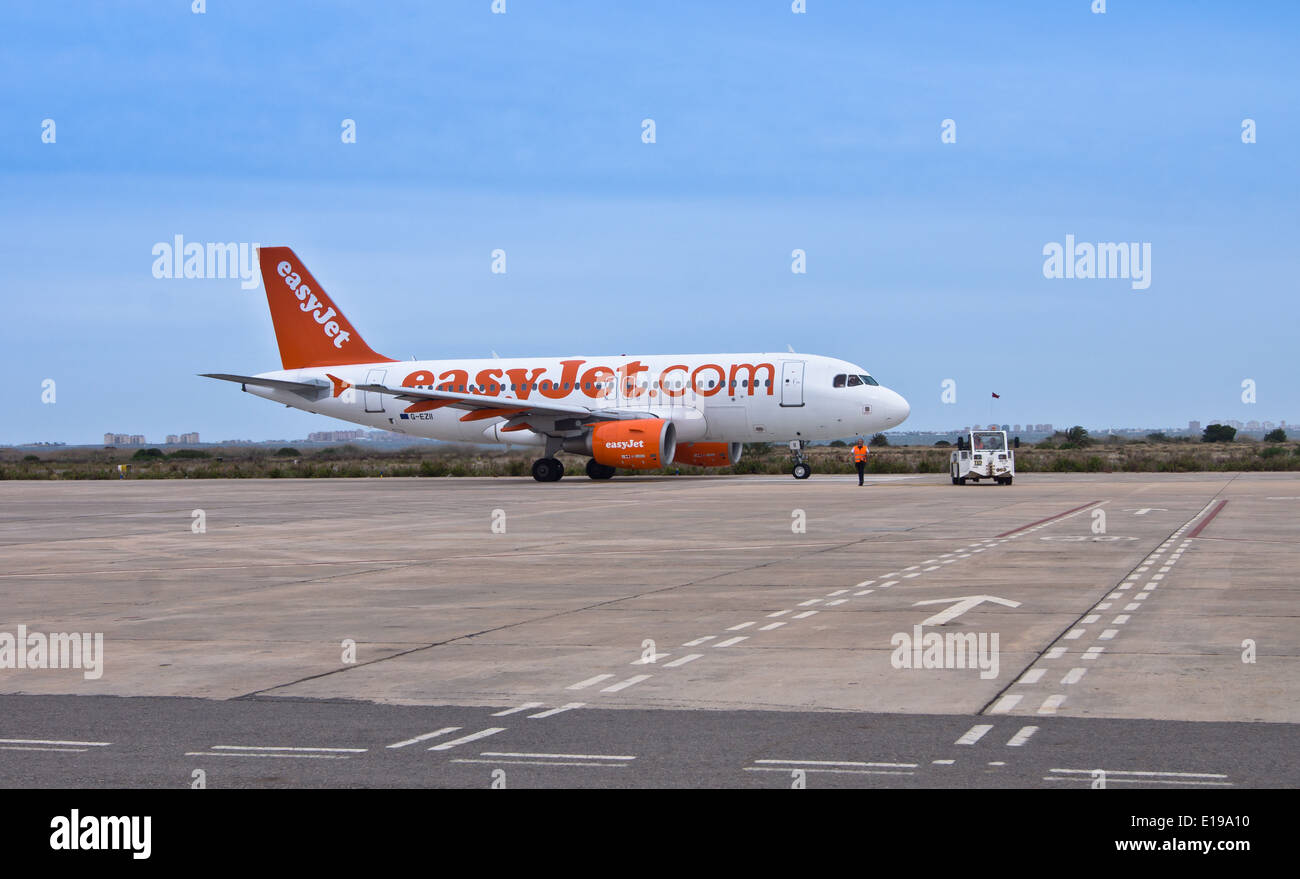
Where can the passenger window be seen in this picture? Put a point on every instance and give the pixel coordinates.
(839, 380)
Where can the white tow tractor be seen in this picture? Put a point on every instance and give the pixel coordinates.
(984, 455)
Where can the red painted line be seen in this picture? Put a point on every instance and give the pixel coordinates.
(1206, 521)
(1048, 519)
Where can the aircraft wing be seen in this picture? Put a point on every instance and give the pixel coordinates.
(483, 407)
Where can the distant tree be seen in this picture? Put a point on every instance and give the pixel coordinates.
(1078, 435)
(1218, 433)
(190, 453)
(31, 458)
(1275, 436)
(147, 454)
(879, 440)
(839, 444)
(944, 443)
(287, 452)
(1158, 437)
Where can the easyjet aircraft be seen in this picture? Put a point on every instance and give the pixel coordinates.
(637, 413)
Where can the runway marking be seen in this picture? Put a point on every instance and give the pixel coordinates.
(997, 763)
(1033, 676)
(1021, 737)
(909, 576)
(739, 638)
(42, 748)
(623, 685)
(932, 568)
(653, 660)
(804, 615)
(943, 762)
(1074, 675)
(770, 626)
(558, 756)
(698, 641)
(892, 574)
(450, 729)
(947, 561)
(856, 763)
(1149, 587)
(836, 593)
(53, 742)
(974, 734)
(1073, 634)
(472, 737)
(288, 748)
(809, 602)
(911, 568)
(865, 592)
(779, 613)
(1051, 703)
(525, 707)
(864, 583)
(582, 685)
(888, 583)
(737, 628)
(829, 770)
(539, 763)
(1132, 606)
(1108, 634)
(265, 754)
(1157, 577)
(1141, 772)
(964, 555)
(837, 601)
(1091, 618)
(1006, 703)
(554, 711)
(691, 657)
(929, 561)
(1110, 780)
(1093, 652)
(1105, 605)
(1041, 522)
(1057, 652)
(1120, 620)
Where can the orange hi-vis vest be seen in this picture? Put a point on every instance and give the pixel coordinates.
(859, 454)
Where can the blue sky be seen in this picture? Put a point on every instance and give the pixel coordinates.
(774, 131)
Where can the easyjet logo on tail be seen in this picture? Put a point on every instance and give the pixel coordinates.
(309, 328)
(312, 304)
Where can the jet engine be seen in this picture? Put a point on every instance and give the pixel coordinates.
(640, 444)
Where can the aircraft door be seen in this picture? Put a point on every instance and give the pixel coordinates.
(375, 402)
(792, 382)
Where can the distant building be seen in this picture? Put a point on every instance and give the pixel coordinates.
(335, 436)
(1193, 427)
(124, 439)
(190, 439)
(171, 439)
(1017, 428)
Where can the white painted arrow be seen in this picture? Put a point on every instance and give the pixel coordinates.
(962, 605)
(1145, 510)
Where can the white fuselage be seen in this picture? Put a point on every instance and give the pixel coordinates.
(710, 397)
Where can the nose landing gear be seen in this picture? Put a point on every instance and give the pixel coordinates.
(801, 469)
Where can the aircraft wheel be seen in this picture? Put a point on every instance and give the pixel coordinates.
(960, 480)
(801, 471)
(547, 470)
(597, 470)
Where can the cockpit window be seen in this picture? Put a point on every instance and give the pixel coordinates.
(854, 381)
(839, 380)
(868, 380)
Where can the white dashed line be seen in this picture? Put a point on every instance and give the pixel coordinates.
(1108, 634)
(1051, 703)
(698, 641)
(1021, 737)
(582, 685)
(472, 737)
(623, 685)
(691, 657)
(974, 734)
(1074, 675)
(1073, 634)
(730, 641)
(554, 711)
(525, 707)
(1057, 652)
(804, 615)
(770, 626)
(443, 731)
(1006, 703)
(741, 626)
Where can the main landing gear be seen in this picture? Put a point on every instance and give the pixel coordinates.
(598, 471)
(801, 470)
(547, 470)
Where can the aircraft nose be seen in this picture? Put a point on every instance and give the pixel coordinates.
(899, 408)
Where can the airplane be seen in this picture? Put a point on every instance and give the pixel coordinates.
(622, 412)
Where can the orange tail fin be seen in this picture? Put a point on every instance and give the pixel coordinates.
(309, 327)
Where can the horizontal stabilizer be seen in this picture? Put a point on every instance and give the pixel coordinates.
(313, 390)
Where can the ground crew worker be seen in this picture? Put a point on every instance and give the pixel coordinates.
(860, 452)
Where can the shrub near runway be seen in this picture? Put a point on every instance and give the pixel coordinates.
(244, 462)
